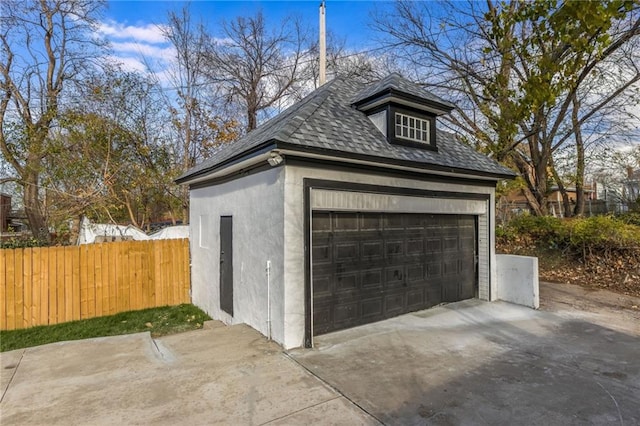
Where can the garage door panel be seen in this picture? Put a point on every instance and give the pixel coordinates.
(415, 273)
(393, 221)
(372, 308)
(346, 313)
(394, 248)
(372, 250)
(371, 222)
(434, 270)
(416, 298)
(372, 279)
(346, 251)
(346, 282)
(394, 277)
(450, 243)
(345, 222)
(322, 286)
(434, 245)
(367, 267)
(321, 222)
(394, 304)
(322, 254)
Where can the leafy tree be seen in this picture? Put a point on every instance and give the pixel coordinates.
(521, 73)
(110, 158)
(45, 47)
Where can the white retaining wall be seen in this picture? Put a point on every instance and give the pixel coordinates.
(517, 280)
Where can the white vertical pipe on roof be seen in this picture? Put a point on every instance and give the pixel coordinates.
(323, 46)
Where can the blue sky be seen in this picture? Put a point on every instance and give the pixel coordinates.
(349, 19)
(132, 26)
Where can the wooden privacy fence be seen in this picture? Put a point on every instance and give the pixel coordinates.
(50, 285)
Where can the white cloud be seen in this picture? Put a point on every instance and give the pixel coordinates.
(148, 50)
(139, 48)
(128, 63)
(149, 33)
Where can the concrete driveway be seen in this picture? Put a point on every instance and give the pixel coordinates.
(476, 363)
(223, 375)
(469, 363)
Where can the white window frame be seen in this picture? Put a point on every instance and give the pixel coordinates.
(412, 128)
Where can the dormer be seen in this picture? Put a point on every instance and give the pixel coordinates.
(403, 111)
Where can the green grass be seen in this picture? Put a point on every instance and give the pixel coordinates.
(159, 321)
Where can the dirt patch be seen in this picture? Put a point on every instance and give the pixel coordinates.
(603, 307)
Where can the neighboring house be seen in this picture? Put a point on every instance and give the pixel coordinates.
(12, 222)
(517, 203)
(5, 212)
(347, 208)
(631, 186)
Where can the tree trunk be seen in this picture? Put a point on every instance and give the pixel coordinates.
(535, 191)
(185, 204)
(580, 162)
(252, 119)
(566, 203)
(33, 208)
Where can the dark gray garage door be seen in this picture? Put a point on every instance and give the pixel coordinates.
(372, 266)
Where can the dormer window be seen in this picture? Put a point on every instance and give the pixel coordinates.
(403, 111)
(412, 128)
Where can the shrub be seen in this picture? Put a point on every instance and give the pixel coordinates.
(631, 218)
(24, 242)
(598, 235)
(541, 230)
(602, 235)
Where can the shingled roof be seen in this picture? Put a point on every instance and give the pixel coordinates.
(326, 122)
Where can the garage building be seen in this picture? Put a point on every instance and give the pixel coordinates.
(347, 208)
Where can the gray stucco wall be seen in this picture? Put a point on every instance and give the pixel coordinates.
(294, 232)
(268, 225)
(256, 204)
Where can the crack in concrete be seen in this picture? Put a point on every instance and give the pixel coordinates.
(300, 410)
(614, 401)
(330, 386)
(15, 370)
(165, 354)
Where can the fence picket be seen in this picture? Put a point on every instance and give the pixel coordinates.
(3, 290)
(53, 287)
(41, 262)
(19, 288)
(91, 282)
(30, 287)
(36, 282)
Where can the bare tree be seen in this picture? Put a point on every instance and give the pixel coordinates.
(350, 64)
(197, 122)
(45, 46)
(255, 66)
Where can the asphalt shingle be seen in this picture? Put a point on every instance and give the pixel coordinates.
(326, 120)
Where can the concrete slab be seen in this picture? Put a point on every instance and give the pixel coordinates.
(472, 362)
(223, 375)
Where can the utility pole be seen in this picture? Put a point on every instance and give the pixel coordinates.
(323, 46)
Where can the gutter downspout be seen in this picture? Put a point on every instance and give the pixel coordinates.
(269, 299)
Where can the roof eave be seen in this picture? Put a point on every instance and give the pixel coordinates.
(348, 157)
(390, 94)
(258, 150)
